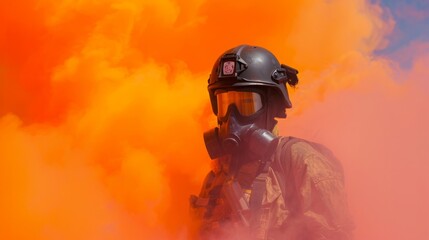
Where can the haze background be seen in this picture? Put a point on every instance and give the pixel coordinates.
(103, 105)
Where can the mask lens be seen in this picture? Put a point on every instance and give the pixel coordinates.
(247, 103)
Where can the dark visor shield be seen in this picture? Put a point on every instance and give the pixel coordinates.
(247, 103)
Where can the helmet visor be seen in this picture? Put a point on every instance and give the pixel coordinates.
(247, 103)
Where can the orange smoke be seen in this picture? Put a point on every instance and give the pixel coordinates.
(103, 105)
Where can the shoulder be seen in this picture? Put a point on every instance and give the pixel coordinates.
(314, 158)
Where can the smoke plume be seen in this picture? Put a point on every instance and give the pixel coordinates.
(103, 105)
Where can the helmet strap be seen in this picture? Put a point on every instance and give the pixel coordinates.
(270, 112)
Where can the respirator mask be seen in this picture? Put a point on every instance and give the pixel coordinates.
(238, 113)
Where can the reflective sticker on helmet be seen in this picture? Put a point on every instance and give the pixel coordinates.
(228, 67)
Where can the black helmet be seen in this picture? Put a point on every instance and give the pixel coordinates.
(251, 66)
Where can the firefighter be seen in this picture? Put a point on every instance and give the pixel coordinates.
(264, 186)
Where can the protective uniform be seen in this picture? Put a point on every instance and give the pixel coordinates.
(263, 186)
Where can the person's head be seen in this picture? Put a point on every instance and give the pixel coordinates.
(249, 81)
(247, 86)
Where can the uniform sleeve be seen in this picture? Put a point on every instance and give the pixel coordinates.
(314, 195)
(207, 212)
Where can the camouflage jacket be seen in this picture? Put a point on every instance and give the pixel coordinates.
(304, 197)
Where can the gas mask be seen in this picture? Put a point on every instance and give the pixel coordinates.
(238, 113)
